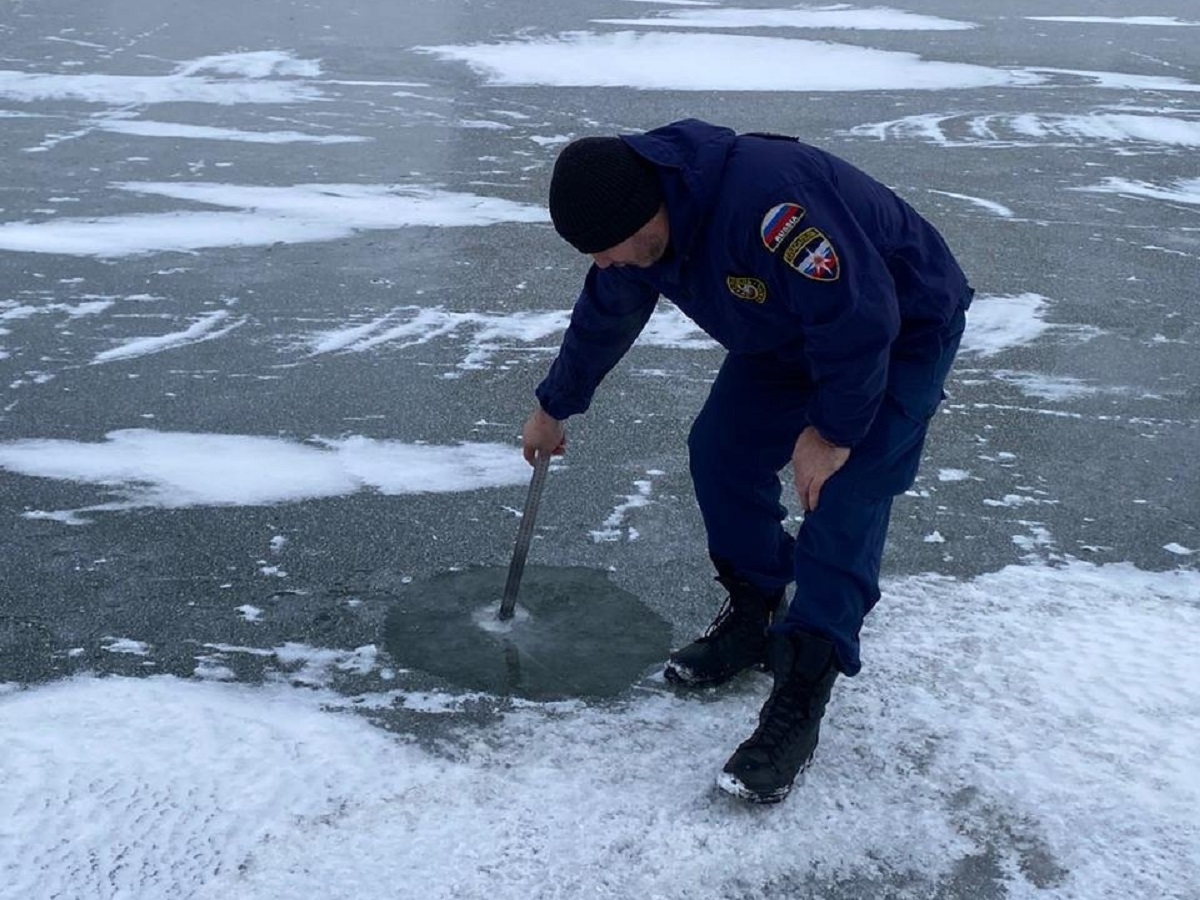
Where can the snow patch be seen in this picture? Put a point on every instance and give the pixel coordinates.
(997, 323)
(714, 62)
(266, 215)
(806, 17)
(206, 328)
(173, 470)
(1186, 190)
(258, 793)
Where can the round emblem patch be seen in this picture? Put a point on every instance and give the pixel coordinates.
(753, 290)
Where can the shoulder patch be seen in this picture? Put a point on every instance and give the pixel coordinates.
(745, 288)
(778, 223)
(812, 255)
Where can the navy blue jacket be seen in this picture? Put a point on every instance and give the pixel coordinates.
(776, 248)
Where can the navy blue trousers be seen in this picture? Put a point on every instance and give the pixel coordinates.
(744, 436)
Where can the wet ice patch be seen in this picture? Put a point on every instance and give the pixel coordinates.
(837, 17)
(704, 62)
(1038, 129)
(266, 215)
(174, 470)
(1001, 790)
(1185, 190)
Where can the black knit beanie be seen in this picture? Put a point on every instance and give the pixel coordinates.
(601, 193)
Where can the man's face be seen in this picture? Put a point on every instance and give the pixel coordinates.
(643, 248)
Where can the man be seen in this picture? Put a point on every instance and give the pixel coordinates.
(841, 310)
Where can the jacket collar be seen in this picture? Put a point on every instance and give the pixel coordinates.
(690, 156)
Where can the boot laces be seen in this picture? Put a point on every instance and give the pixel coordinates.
(732, 617)
(787, 708)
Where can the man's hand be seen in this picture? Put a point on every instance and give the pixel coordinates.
(543, 434)
(814, 460)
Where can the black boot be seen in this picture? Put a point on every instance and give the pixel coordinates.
(765, 765)
(734, 642)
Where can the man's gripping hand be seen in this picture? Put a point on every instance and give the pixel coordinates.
(543, 434)
(814, 461)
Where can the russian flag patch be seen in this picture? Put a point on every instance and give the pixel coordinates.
(779, 222)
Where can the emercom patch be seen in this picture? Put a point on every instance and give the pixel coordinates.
(778, 223)
(811, 254)
(746, 288)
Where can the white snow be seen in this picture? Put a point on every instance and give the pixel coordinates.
(127, 646)
(266, 215)
(715, 62)
(1033, 129)
(1178, 549)
(953, 474)
(611, 529)
(997, 323)
(10, 311)
(208, 327)
(1167, 21)
(985, 720)
(706, 61)
(841, 16)
(491, 333)
(991, 206)
(1047, 387)
(145, 128)
(240, 78)
(1186, 190)
(173, 470)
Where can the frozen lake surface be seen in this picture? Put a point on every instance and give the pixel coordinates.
(276, 285)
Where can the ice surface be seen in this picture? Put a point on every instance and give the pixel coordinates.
(1030, 733)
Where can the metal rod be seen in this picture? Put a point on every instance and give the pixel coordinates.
(524, 535)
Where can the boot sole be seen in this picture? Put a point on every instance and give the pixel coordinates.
(682, 676)
(733, 785)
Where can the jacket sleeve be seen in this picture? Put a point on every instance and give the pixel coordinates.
(611, 312)
(849, 317)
